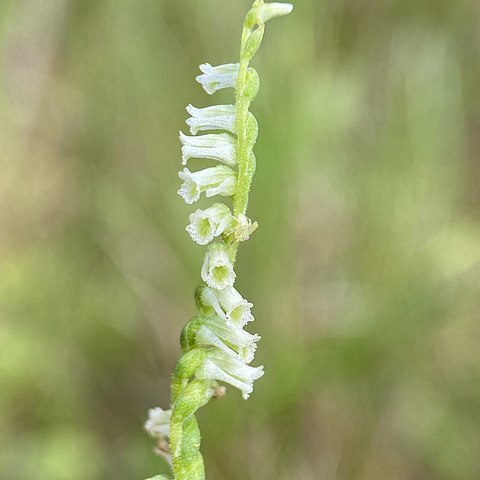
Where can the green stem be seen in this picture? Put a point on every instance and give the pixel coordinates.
(247, 128)
(244, 179)
(187, 461)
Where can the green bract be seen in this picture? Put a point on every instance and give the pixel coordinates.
(215, 346)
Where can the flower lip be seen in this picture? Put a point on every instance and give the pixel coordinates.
(217, 270)
(207, 224)
(189, 190)
(201, 229)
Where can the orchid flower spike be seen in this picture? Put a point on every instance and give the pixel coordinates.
(215, 346)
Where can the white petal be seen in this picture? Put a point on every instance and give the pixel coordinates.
(241, 342)
(217, 117)
(228, 304)
(211, 371)
(226, 369)
(216, 78)
(221, 147)
(158, 423)
(225, 188)
(219, 180)
(207, 300)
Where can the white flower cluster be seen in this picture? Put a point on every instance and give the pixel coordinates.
(224, 312)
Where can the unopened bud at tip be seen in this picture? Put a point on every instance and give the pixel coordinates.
(271, 10)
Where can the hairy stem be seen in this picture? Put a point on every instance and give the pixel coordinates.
(247, 128)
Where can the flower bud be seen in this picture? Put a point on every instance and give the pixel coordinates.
(267, 11)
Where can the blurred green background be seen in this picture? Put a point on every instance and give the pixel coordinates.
(365, 272)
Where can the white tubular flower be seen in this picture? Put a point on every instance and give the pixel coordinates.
(227, 304)
(216, 78)
(219, 180)
(232, 341)
(217, 117)
(215, 146)
(158, 423)
(271, 10)
(226, 369)
(217, 270)
(207, 224)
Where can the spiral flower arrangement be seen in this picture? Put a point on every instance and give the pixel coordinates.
(214, 344)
